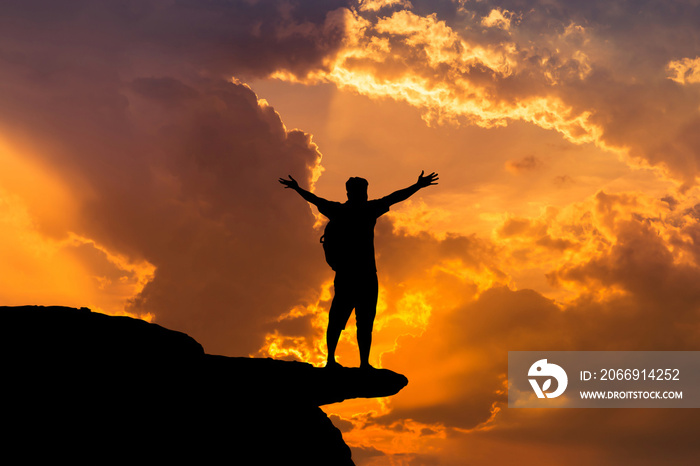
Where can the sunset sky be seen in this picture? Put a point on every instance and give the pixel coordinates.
(141, 142)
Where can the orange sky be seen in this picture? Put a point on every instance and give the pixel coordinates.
(141, 144)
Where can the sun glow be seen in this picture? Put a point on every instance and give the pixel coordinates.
(41, 264)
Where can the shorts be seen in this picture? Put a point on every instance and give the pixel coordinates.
(358, 291)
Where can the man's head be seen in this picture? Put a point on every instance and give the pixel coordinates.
(356, 188)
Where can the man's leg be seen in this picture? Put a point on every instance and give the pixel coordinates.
(338, 316)
(365, 313)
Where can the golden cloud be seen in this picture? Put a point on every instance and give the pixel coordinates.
(497, 18)
(684, 71)
(424, 62)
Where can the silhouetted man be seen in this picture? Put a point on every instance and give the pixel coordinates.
(351, 229)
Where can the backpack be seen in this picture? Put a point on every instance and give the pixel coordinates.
(332, 240)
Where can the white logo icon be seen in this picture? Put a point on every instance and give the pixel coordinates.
(542, 368)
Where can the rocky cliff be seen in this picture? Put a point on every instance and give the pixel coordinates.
(91, 388)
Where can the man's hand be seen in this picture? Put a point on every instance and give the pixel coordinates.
(427, 180)
(307, 196)
(290, 183)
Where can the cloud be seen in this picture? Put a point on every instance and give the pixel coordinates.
(498, 19)
(685, 70)
(187, 182)
(630, 263)
(563, 181)
(242, 38)
(164, 160)
(73, 271)
(527, 163)
(561, 66)
(244, 246)
(376, 5)
(425, 62)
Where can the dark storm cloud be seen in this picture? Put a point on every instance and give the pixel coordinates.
(168, 162)
(230, 37)
(187, 181)
(232, 249)
(525, 164)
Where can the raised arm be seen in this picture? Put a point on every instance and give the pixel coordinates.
(403, 194)
(308, 196)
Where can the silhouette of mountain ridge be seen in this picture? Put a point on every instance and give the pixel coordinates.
(92, 388)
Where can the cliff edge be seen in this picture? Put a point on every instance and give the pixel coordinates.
(88, 387)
